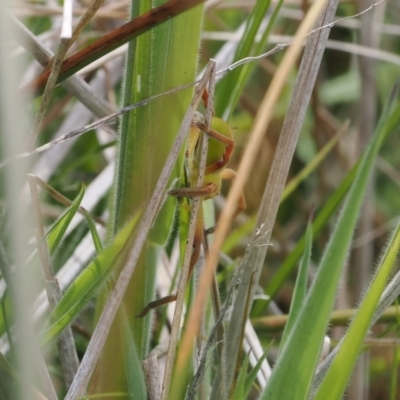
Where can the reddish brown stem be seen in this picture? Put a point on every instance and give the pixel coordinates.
(111, 41)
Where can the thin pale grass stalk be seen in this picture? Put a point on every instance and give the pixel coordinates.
(276, 323)
(114, 39)
(253, 345)
(81, 256)
(45, 377)
(49, 162)
(199, 375)
(109, 11)
(256, 253)
(144, 102)
(195, 209)
(86, 18)
(38, 358)
(14, 128)
(384, 342)
(85, 250)
(66, 345)
(96, 344)
(66, 33)
(260, 125)
(282, 41)
(363, 255)
(67, 39)
(74, 85)
(152, 372)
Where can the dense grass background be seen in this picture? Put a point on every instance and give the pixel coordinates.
(85, 211)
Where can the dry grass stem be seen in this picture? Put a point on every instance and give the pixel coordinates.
(260, 124)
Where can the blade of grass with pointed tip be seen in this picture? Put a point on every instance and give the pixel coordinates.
(300, 290)
(323, 217)
(57, 231)
(87, 283)
(320, 222)
(299, 356)
(133, 365)
(232, 85)
(98, 244)
(251, 377)
(339, 373)
(240, 384)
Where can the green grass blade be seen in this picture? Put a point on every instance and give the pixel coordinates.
(231, 86)
(320, 222)
(133, 366)
(240, 384)
(395, 364)
(157, 61)
(88, 282)
(57, 231)
(300, 290)
(300, 354)
(251, 377)
(338, 375)
(98, 244)
(322, 218)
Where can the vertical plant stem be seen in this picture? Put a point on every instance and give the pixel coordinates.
(65, 344)
(114, 300)
(14, 128)
(197, 203)
(362, 257)
(66, 32)
(262, 120)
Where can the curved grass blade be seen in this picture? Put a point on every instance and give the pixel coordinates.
(300, 290)
(299, 356)
(338, 375)
(251, 377)
(240, 385)
(321, 220)
(136, 383)
(56, 233)
(98, 244)
(232, 85)
(87, 283)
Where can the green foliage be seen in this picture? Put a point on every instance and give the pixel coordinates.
(300, 354)
(326, 175)
(300, 290)
(339, 373)
(85, 286)
(56, 233)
